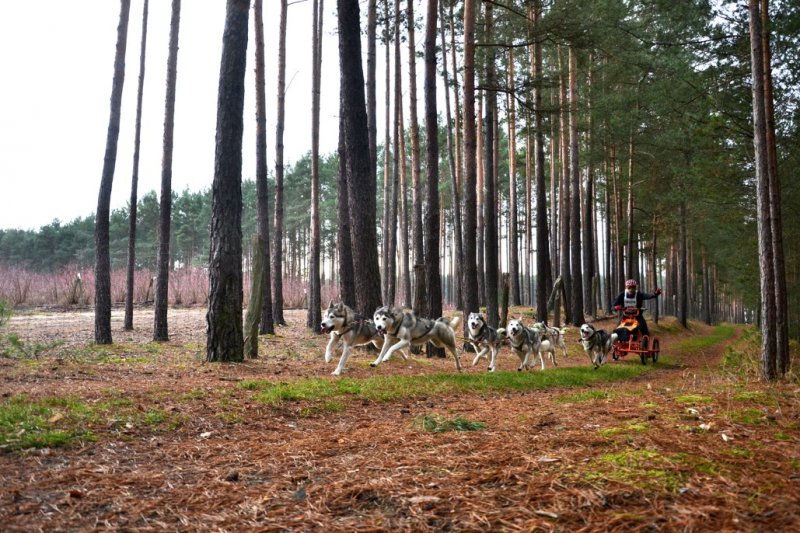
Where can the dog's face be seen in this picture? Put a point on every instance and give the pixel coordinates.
(384, 318)
(515, 328)
(587, 330)
(334, 318)
(475, 323)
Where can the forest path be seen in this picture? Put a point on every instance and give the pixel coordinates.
(184, 446)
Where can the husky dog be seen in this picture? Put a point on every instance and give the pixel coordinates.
(526, 342)
(342, 323)
(596, 343)
(554, 335)
(482, 335)
(403, 329)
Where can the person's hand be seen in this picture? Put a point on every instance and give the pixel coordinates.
(658, 291)
(617, 307)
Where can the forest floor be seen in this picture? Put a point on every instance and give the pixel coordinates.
(155, 438)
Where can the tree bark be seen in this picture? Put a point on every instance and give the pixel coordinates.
(433, 280)
(224, 318)
(575, 198)
(489, 212)
(344, 244)
(513, 237)
(102, 302)
(277, 254)
(544, 274)
(314, 316)
(416, 219)
(470, 169)
(763, 205)
(262, 280)
(160, 326)
(132, 205)
(252, 317)
(781, 318)
(565, 270)
(452, 150)
(361, 188)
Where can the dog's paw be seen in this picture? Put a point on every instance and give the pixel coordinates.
(336, 372)
(373, 365)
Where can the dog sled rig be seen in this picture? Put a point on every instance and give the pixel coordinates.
(630, 338)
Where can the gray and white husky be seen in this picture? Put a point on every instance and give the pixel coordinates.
(526, 342)
(402, 329)
(596, 343)
(553, 334)
(484, 338)
(345, 326)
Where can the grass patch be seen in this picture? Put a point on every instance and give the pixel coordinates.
(331, 406)
(439, 424)
(751, 417)
(50, 423)
(741, 452)
(389, 388)
(12, 346)
(701, 343)
(633, 427)
(651, 470)
(584, 396)
(693, 399)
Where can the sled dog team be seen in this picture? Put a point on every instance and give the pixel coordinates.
(391, 329)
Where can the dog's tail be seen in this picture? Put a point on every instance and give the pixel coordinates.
(452, 322)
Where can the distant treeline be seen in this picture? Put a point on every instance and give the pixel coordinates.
(59, 244)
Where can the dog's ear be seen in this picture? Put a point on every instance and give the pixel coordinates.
(330, 304)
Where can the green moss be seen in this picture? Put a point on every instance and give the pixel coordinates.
(439, 424)
(693, 399)
(748, 416)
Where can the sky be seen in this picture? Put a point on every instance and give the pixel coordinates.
(57, 65)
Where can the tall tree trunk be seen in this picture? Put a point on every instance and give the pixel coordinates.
(470, 169)
(565, 218)
(225, 337)
(343, 242)
(683, 271)
(403, 250)
(654, 267)
(388, 179)
(160, 326)
(575, 199)
(513, 236)
(416, 220)
(781, 322)
(631, 267)
(589, 247)
(372, 103)
(543, 265)
(361, 188)
(489, 212)
(277, 255)
(433, 279)
(452, 150)
(102, 298)
(763, 205)
(264, 318)
(314, 317)
(128, 325)
(480, 199)
(706, 287)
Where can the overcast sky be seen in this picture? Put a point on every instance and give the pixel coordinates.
(57, 63)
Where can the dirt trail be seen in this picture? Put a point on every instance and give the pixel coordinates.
(682, 447)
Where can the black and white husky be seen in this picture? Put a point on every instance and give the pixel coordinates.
(402, 329)
(344, 325)
(484, 338)
(596, 343)
(526, 342)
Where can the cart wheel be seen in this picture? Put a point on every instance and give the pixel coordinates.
(656, 349)
(645, 342)
(643, 357)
